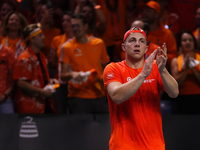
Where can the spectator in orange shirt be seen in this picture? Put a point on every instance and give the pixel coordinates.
(12, 32)
(186, 70)
(31, 75)
(197, 31)
(58, 41)
(81, 56)
(133, 90)
(145, 27)
(158, 34)
(44, 16)
(60, 98)
(7, 62)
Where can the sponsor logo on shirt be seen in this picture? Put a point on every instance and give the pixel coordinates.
(77, 52)
(110, 75)
(129, 79)
(148, 80)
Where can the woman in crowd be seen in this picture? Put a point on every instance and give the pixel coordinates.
(12, 32)
(186, 70)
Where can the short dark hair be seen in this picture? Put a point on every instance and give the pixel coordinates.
(28, 29)
(69, 13)
(80, 16)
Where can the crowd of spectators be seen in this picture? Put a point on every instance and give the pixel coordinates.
(93, 30)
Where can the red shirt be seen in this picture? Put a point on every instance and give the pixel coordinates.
(28, 68)
(7, 62)
(136, 124)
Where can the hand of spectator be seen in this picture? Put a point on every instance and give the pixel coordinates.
(161, 58)
(46, 93)
(148, 64)
(77, 77)
(53, 81)
(48, 14)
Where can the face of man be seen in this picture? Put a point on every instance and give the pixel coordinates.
(38, 41)
(66, 23)
(135, 46)
(197, 17)
(149, 15)
(5, 9)
(78, 28)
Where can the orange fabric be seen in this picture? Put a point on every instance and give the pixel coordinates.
(136, 124)
(55, 49)
(190, 85)
(196, 33)
(58, 41)
(114, 31)
(7, 62)
(49, 35)
(152, 4)
(163, 35)
(27, 68)
(16, 45)
(84, 57)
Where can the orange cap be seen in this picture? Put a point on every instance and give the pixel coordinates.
(152, 4)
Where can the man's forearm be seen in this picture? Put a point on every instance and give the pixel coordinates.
(170, 84)
(28, 87)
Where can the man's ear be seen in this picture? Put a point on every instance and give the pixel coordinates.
(123, 47)
(146, 49)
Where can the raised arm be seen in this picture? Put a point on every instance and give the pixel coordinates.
(170, 84)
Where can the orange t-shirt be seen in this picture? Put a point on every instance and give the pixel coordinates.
(84, 57)
(54, 54)
(7, 63)
(163, 35)
(17, 45)
(28, 68)
(49, 35)
(190, 85)
(136, 124)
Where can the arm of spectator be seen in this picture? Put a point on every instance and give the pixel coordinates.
(28, 87)
(66, 75)
(101, 25)
(180, 77)
(10, 86)
(196, 74)
(48, 13)
(78, 6)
